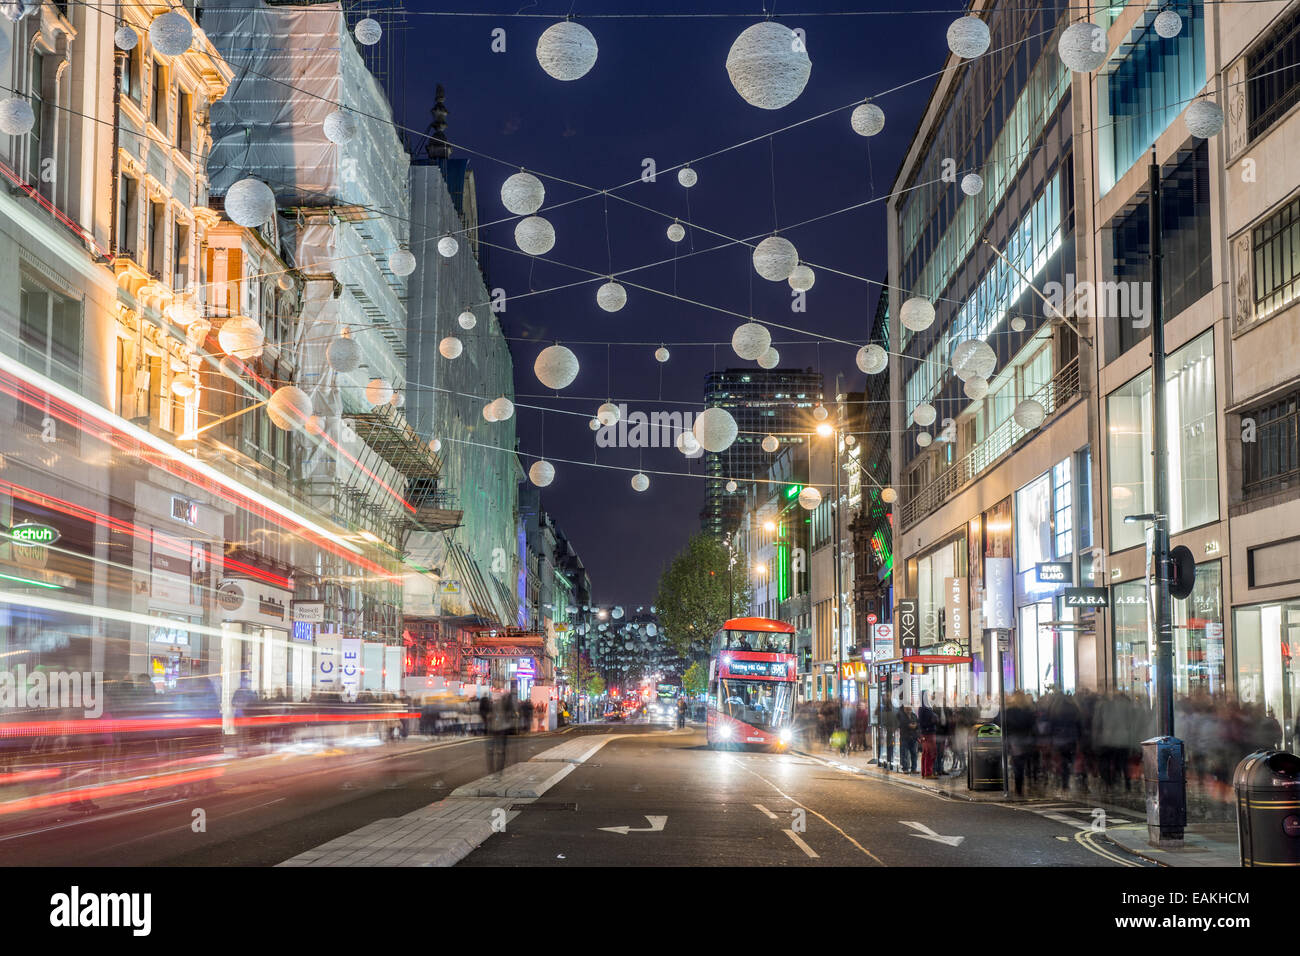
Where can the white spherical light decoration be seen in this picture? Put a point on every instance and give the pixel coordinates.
(241, 338)
(676, 232)
(285, 282)
(368, 32)
(768, 65)
(607, 414)
(775, 258)
(556, 367)
(378, 392)
(715, 429)
(1082, 47)
(1017, 324)
(924, 439)
(730, 486)
(611, 296)
(616, 613)
(489, 412)
(450, 347)
(339, 127)
(769, 359)
(770, 444)
(1029, 414)
(448, 246)
(968, 37)
(183, 385)
(343, 355)
(289, 408)
(402, 262)
(435, 445)
(687, 177)
(820, 413)
(124, 38)
(872, 359)
(924, 414)
(250, 203)
(661, 354)
(566, 50)
(523, 194)
(802, 278)
(503, 409)
(467, 320)
(972, 184)
(973, 358)
(16, 116)
(810, 498)
(688, 444)
(171, 34)
(867, 119)
(651, 630)
(976, 388)
(640, 483)
(1204, 118)
(917, 314)
(541, 473)
(751, 340)
(534, 235)
(888, 495)
(1168, 24)
(594, 425)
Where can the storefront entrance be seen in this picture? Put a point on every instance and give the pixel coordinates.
(1267, 644)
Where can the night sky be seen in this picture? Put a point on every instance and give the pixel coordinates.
(660, 89)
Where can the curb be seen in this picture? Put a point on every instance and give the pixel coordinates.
(901, 780)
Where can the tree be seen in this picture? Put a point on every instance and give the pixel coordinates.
(694, 598)
(596, 686)
(695, 680)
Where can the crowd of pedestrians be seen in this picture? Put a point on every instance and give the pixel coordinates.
(1057, 743)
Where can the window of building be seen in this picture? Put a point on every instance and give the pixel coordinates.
(1186, 247)
(1193, 461)
(1146, 89)
(158, 102)
(184, 121)
(1272, 460)
(153, 409)
(180, 256)
(123, 379)
(49, 335)
(36, 97)
(133, 75)
(128, 221)
(1266, 641)
(1083, 478)
(1275, 248)
(1273, 75)
(157, 238)
(1063, 509)
(1034, 542)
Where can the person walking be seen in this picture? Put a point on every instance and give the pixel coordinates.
(1020, 737)
(505, 716)
(907, 731)
(888, 727)
(927, 724)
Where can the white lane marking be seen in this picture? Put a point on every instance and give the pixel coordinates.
(657, 825)
(90, 819)
(928, 834)
(801, 845)
(814, 813)
(770, 814)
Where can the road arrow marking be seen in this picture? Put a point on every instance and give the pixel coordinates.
(928, 834)
(656, 825)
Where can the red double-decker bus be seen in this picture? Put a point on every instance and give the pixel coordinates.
(751, 684)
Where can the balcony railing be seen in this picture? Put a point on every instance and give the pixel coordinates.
(1053, 396)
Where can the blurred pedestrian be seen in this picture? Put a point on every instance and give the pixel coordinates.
(926, 725)
(1020, 736)
(907, 731)
(888, 727)
(526, 716)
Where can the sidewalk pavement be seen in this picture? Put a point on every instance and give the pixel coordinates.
(1205, 844)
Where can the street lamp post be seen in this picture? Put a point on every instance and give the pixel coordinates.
(1162, 758)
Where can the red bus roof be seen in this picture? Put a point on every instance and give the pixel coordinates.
(758, 624)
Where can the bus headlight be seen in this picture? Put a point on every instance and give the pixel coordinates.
(725, 731)
(786, 735)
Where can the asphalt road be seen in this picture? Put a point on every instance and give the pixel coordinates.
(688, 805)
(261, 811)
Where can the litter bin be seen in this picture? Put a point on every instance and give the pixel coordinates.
(1267, 784)
(1166, 790)
(984, 758)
